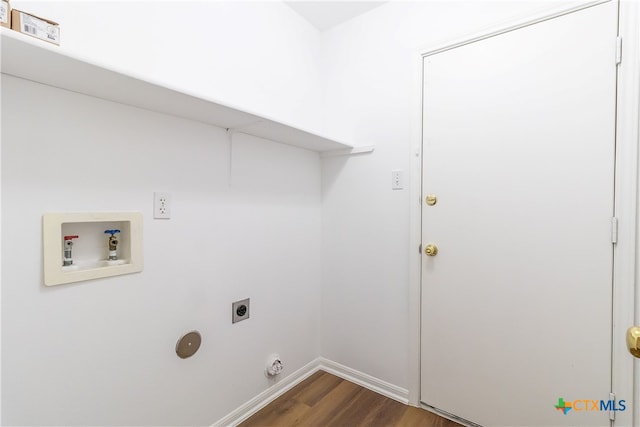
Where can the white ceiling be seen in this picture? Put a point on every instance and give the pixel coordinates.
(326, 14)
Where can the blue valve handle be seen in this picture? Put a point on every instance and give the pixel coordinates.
(112, 232)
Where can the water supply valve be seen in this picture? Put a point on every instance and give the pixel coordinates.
(68, 244)
(113, 244)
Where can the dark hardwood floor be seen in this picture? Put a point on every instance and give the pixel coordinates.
(325, 400)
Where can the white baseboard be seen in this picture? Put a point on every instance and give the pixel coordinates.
(365, 380)
(272, 393)
(269, 395)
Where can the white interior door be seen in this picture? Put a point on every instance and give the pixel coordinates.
(518, 148)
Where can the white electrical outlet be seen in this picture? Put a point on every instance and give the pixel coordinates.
(161, 205)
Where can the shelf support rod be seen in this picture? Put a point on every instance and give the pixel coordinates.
(348, 152)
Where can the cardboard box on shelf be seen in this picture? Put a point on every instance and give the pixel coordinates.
(43, 29)
(5, 14)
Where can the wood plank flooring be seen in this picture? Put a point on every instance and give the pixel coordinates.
(325, 400)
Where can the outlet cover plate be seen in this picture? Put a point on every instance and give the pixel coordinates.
(240, 310)
(161, 205)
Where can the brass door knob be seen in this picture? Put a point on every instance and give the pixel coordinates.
(633, 340)
(431, 250)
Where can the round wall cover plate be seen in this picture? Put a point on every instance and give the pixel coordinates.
(188, 344)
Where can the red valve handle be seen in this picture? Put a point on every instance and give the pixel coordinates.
(70, 237)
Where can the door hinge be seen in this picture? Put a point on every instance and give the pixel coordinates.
(614, 230)
(618, 50)
(612, 402)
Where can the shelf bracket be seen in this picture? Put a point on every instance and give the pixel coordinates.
(230, 133)
(239, 128)
(348, 152)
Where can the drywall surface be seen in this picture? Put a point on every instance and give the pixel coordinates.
(102, 352)
(257, 56)
(372, 92)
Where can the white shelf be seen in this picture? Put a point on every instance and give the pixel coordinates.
(32, 59)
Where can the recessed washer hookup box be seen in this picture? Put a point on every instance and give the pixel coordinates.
(43, 29)
(5, 14)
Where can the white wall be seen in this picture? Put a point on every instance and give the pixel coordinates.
(372, 94)
(244, 222)
(104, 351)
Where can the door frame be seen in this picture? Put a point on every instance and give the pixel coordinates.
(626, 274)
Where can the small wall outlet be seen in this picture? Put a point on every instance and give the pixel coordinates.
(240, 310)
(161, 205)
(274, 366)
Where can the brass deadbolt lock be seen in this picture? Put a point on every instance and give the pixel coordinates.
(431, 250)
(431, 199)
(633, 341)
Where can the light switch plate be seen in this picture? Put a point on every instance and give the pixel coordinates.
(397, 179)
